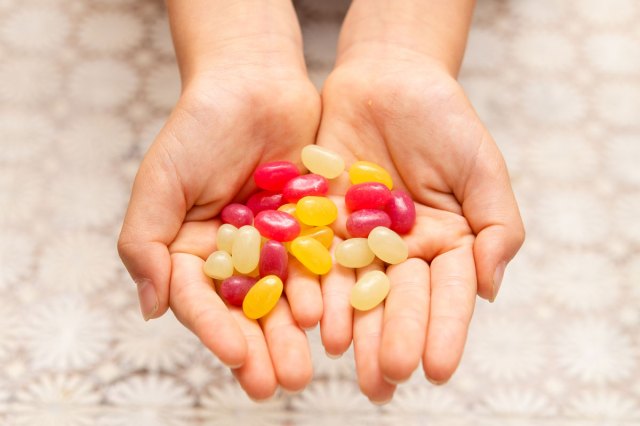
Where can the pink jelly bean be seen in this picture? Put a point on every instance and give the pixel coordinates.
(275, 175)
(401, 211)
(237, 215)
(360, 223)
(305, 185)
(235, 288)
(277, 225)
(368, 195)
(264, 200)
(273, 260)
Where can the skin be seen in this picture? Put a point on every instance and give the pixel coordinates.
(392, 99)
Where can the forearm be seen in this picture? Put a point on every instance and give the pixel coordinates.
(435, 28)
(234, 33)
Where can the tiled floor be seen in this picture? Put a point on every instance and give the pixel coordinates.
(557, 83)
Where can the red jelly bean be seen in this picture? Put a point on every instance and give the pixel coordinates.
(368, 195)
(401, 211)
(274, 260)
(237, 215)
(264, 200)
(275, 175)
(277, 225)
(305, 185)
(360, 223)
(234, 289)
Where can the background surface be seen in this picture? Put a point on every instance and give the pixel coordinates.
(85, 86)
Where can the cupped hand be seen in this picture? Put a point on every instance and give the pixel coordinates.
(411, 116)
(224, 125)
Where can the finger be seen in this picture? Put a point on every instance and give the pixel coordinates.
(156, 211)
(336, 326)
(196, 238)
(367, 329)
(198, 307)
(492, 211)
(304, 295)
(256, 376)
(405, 320)
(453, 293)
(288, 348)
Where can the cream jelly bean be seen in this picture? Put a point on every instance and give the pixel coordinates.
(354, 253)
(245, 250)
(388, 246)
(218, 265)
(370, 290)
(322, 161)
(225, 236)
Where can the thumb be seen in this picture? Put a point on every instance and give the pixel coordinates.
(156, 211)
(492, 211)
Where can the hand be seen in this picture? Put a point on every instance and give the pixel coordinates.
(246, 100)
(408, 114)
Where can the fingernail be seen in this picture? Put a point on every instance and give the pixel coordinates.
(394, 382)
(148, 298)
(497, 279)
(310, 328)
(292, 393)
(436, 382)
(384, 402)
(332, 356)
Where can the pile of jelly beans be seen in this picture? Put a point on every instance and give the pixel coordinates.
(291, 214)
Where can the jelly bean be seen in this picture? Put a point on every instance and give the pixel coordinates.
(322, 161)
(401, 211)
(276, 225)
(262, 297)
(364, 171)
(370, 290)
(368, 195)
(218, 265)
(274, 260)
(312, 254)
(305, 185)
(360, 223)
(354, 253)
(316, 211)
(234, 289)
(245, 250)
(275, 175)
(264, 200)
(224, 237)
(388, 246)
(324, 234)
(291, 209)
(237, 215)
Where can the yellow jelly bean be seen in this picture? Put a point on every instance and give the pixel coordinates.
(245, 250)
(324, 234)
(224, 238)
(387, 245)
(291, 209)
(218, 265)
(312, 254)
(322, 161)
(364, 171)
(354, 253)
(262, 297)
(316, 211)
(370, 290)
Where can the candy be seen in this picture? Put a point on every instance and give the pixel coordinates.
(237, 215)
(225, 236)
(262, 297)
(273, 260)
(218, 265)
(388, 246)
(324, 234)
(277, 225)
(316, 211)
(274, 176)
(368, 195)
(305, 185)
(245, 250)
(264, 200)
(312, 254)
(364, 171)
(401, 211)
(234, 289)
(360, 223)
(354, 253)
(370, 290)
(322, 161)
